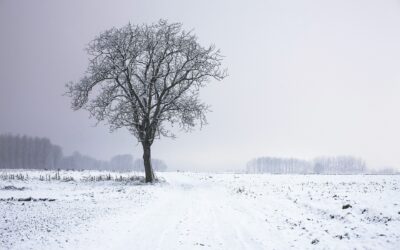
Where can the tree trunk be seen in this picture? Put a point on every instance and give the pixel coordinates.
(148, 169)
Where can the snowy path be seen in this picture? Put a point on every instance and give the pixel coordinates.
(198, 211)
(187, 214)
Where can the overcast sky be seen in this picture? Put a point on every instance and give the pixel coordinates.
(306, 78)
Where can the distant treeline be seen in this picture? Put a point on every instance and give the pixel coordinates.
(77, 161)
(24, 152)
(320, 165)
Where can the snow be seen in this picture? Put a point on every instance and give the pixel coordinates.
(202, 211)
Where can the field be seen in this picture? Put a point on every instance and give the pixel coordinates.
(99, 210)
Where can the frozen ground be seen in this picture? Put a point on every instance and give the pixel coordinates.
(201, 211)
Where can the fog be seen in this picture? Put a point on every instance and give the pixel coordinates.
(306, 78)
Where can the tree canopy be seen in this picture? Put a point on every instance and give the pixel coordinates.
(146, 78)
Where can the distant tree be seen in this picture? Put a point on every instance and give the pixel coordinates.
(26, 152)
(54, 157)
(157, 164)
(339, 165)
(78, 161)
(3, 151)
(385, 170)
(320, 165)
(278, 165)
(144, 77)
(69, 162)
(121, 162)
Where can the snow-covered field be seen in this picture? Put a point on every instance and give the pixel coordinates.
(199, 211)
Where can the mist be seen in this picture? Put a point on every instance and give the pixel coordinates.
(306, 78)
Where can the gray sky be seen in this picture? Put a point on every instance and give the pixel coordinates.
(306, 78)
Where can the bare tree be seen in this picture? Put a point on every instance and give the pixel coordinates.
(146, 78)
